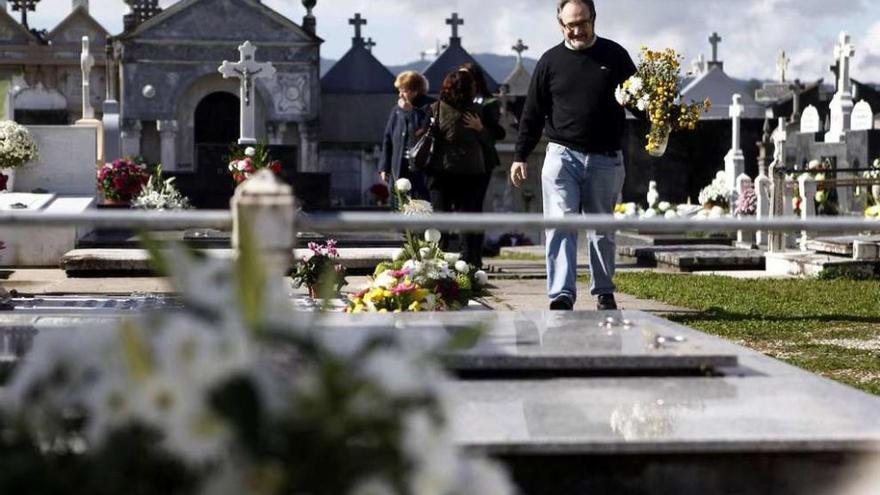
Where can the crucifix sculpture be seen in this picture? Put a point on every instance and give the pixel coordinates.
(24, 6)
(782, 63)
(715, 40)
(455, 21)
(843, 52)
(247, 69)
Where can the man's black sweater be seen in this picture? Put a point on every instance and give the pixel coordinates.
(572, 96)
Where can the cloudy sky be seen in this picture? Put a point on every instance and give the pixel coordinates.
(753, 31)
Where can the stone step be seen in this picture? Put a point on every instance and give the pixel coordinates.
(677, 239)
(841, 245)
(136, 262)
(699, 257)
(812, 264)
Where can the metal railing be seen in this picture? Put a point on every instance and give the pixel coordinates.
(358, 221)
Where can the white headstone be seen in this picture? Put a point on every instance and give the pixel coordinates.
(247, 70)
(87, 61)
(862, 116)
(810, 120)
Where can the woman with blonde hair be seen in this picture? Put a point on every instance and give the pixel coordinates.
(406, 118)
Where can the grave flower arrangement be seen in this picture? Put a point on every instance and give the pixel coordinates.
(122, 180)
(380, 194)
(160, 194)
(231, 393)
(420, 277)
(245, 162)
(716, 194)
(432, 280)
(655, 89)
(17, 146)
(746, 203)
(319, 271)
(825, 198)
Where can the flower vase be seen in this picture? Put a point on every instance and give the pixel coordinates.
(10, 178)
(661, 139)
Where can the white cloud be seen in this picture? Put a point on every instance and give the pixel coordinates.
(753, 30)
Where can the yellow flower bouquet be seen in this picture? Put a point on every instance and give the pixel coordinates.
(654, 89)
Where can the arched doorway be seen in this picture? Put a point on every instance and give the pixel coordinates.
(217, 119)
(215, 129)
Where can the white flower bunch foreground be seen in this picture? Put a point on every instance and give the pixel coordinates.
(716, 193)
(234, 394)
(160, 195)
(17, 146)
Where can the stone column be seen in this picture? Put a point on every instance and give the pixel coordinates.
(308, 142)
(263, 209)
(112, 136)
(275, 131)
(776, 239)
(131, 137)
(168, 134)
(808, 204)
(762, 191)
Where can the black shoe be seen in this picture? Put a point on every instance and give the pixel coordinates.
(562, 303)
(606, 302)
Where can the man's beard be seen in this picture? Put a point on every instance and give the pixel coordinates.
(580, 44)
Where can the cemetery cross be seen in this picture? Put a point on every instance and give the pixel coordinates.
(519, 48)
(247, 69)
(24, 6)
(455, 21)
(87, 61)
(715, 40)
(357, 22)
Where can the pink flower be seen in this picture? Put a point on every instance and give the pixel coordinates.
(331, 247)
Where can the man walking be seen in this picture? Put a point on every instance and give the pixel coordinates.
(571, 98)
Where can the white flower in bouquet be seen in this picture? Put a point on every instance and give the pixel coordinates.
(462, 267)
(481, 277)
(17, 146)
(397, 254)
(250, 151)
(451, 257)
(631, 209)
(819, 177)
(635, 85)
(432, 235)
(621, 96)
(814, 164)
(424, 252)
(158, 195)
(649, 213)
(664, 206)
(417, 207)
(716, 192)
(670, 214)
(385, 280)
(716, 212)
(821, 196)
(403, 185)
(643, 103)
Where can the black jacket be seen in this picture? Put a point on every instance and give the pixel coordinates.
(458, 149)
(400, 135)
(491, 117)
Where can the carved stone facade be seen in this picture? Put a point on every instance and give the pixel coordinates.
(168, 66)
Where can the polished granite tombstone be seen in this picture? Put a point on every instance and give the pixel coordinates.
(572, 402)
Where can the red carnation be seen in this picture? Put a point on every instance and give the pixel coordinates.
(275, 166)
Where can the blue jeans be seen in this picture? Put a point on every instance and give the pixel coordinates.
(575, 183)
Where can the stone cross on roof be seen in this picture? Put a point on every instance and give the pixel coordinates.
(782, 63)
(24, 6)
(715, 40)
(455, 21)
(843, 52)
(357, 22)
(369, 44)
(519, 48)
(247, 69)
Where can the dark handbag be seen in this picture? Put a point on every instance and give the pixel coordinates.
(421, 154)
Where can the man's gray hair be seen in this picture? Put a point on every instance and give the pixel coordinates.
(590, 4)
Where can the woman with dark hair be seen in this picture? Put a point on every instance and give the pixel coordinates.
(490, 114)
(457, 166)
